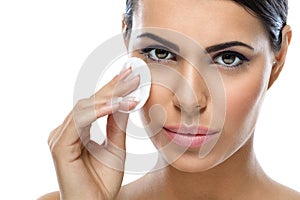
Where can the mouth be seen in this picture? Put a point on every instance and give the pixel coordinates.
(190, 137)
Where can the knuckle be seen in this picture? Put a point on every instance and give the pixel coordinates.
(55, 149)
(51, 140)
(55, 152)
(81, 104)
(51, 136)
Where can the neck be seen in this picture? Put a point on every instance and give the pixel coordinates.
(237, 175)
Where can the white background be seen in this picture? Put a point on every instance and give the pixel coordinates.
(42, 47)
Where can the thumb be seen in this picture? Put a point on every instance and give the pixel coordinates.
(116, 130)
(117, 123)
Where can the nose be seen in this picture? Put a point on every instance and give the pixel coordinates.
(191, 93)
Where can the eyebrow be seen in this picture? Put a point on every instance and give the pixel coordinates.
(208, 50)
(160, 40)
(226, 45)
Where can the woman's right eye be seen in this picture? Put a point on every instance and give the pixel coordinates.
(158, 54)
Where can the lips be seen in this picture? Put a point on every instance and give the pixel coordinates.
(190, 136)
(190, 130)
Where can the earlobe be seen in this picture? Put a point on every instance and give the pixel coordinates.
(279, 58)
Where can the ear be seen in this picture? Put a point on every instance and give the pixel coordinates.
(280, 55)
(124, 30)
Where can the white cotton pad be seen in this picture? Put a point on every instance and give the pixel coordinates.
(143, 90)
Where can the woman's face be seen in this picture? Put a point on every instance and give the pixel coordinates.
(191, 119)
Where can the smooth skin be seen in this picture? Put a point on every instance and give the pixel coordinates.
(231, 170)
(80, 175)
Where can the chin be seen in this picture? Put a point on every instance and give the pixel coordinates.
(191, 167)
(190, 162)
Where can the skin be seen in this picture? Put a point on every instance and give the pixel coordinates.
(230, 170)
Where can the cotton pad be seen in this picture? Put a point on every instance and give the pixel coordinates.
(139, 67)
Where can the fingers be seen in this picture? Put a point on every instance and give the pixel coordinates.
(119, 86)
(126, 86)
(53, 137)
(116, 129)
(113, 158)
(89, 113)
(71, 145)
(102, 103)
(113, 152)
(67, 138)
(85, 113)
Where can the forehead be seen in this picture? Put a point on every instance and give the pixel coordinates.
(207, 21)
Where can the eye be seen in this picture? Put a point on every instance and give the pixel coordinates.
(158, 54)
(230, 59)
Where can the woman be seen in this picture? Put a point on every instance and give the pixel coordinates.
(247, 42)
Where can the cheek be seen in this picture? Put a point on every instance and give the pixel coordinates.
(155, 106)
(154, 114)
(242, 100)
(244, 97)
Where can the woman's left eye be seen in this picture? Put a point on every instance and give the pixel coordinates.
(229, 59)
(158, 54)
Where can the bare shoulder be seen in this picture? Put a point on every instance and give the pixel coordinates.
(280, 191)
(50, 196)
(139, 189)
(290, 194)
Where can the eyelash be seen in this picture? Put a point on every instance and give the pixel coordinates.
(149, 50)
(242, 59)
(173, 57)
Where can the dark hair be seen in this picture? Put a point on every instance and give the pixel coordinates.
(130, 7)
(272, 14)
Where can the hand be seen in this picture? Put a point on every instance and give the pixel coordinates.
(85, 169)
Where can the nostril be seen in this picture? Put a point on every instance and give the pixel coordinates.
(190, 105)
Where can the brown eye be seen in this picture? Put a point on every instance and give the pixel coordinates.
(161, 54)
(230, 59)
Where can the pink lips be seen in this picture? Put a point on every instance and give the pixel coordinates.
(189, 136)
